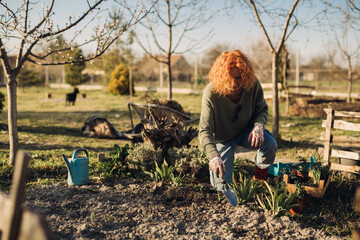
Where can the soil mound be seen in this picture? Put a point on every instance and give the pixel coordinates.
(314, 107)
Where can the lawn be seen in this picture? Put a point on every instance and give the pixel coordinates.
(48, 129)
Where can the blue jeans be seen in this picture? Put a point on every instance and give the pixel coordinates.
(264, 158)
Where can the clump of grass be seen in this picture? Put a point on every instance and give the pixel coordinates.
(163, 173)
(245, 188)
(6, 172)
(276, 202)
(166, 173)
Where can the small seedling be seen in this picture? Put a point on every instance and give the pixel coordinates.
(92, 218)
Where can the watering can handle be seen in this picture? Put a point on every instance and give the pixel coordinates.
(80, 150)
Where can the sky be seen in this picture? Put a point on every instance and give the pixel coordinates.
(235, 27)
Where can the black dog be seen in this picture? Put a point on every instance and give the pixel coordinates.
(71, 97)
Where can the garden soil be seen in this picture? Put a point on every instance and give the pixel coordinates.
(130, 209)
(314, 107)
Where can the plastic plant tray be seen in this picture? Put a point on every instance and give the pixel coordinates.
(278, 169)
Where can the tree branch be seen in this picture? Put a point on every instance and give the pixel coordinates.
(44, 18)
(149, 27)
(252, 3)
(50, 33)
(22, 42)
(4, 58)
(8, 9)
(353, 6)
(286, 25)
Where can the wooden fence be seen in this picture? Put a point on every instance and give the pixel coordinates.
(17, 222)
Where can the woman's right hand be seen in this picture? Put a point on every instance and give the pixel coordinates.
(217, 166)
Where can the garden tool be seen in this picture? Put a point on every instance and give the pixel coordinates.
(78, 168)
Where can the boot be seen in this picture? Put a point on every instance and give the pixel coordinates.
(261, 174)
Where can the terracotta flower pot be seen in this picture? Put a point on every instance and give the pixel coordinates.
(297, 209)
(302, 203)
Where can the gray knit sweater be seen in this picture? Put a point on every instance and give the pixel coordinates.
(221, 119)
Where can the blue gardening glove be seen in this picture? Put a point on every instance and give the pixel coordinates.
(217, 166)
(256, 137)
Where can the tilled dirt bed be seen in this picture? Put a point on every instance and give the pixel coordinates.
(130, 209)
(314, 107)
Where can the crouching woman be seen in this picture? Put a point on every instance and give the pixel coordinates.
(234, 112)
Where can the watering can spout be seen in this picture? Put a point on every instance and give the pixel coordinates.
(67, 163)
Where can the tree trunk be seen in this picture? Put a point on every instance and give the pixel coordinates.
(275, 70)
(12, 117)
(285, 85)
(349, 76)
(169, 78)
(169, 51)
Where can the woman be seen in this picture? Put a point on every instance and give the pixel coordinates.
(234, 112)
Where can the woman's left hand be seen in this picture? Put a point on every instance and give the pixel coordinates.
(256, 137)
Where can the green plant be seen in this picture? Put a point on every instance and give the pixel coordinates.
(187, 160)
(116, 165)
(316, 173)
(238, 167)
(276, 202)
(108, 218)
(92, 218)
(178, 180)
(300, 189)
(143, 156)
(163, 173)
(246, 188)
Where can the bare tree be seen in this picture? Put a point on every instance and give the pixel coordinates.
(258, 8)
(22, 32)
(176, 20)
(347, 25)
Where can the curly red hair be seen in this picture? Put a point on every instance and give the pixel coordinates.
(232, 72)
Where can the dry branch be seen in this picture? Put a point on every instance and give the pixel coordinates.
(166, 134)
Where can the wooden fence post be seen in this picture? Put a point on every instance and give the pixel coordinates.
(17, 196)
(16, 222)
(329, 122)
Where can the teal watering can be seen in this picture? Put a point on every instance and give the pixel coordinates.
(78, 168)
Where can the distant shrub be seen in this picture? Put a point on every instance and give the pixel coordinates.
(119, 80)
(73, 72)
(28, 77)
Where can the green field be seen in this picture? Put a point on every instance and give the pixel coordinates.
(47, 127)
